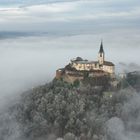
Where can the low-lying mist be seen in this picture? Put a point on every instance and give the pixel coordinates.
(29, 62)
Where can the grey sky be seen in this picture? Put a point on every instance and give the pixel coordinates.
(70, 16)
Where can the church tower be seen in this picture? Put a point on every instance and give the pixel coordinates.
(101, 55)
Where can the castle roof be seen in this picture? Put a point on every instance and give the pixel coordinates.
(86, 62)
(78, 59)
(107, 63)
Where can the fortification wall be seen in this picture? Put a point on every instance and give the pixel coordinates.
(71, 78)
(109, 69)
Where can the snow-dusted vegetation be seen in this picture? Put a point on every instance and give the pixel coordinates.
(59, 110)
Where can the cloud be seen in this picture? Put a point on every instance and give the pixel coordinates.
(70, 11)
(51, 8)
(14, 34)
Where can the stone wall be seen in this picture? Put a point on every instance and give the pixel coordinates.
(72, 78)
(59, 74)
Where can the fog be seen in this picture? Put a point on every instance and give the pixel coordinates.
(128, 128)
(37, 37)
(30, 61)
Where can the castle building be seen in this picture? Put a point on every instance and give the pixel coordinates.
(77, 68)
(85, 65)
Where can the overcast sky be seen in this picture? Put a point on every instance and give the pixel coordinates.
(72, 23)
(69, 16)
(39, 36)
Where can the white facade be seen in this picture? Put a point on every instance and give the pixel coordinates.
(109, 69)
(81, 66)
(101, 58)
(84, 65)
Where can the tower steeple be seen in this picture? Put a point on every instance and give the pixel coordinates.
(101, 54)
(101, 48)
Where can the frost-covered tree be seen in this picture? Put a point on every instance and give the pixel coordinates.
(63, 110)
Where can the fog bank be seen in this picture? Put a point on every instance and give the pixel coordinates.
(30, 61)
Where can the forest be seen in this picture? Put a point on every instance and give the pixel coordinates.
(74, 112)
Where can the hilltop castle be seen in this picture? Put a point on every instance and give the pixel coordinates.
(78, 67)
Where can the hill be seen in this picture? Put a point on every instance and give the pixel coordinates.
(60, 109)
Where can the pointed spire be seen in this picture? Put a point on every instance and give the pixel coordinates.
(101, 47)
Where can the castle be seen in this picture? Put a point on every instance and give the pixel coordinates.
(77, 68)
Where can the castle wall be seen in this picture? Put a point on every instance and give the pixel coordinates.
(93, 66)
(58, 74)
(84, 66)
(109, 69)
(97, 74)
(72, 78)
(101, 58)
